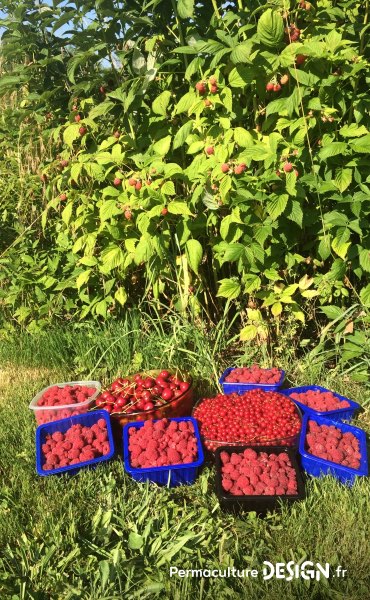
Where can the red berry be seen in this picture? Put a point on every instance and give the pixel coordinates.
(300, 59)
(201, 87)
(210, 150)
(63, 197)
(277, 87)
(82, 131)
(225, 167)
(77, 118)
(128, 214)
(116, 134)
(116, 181)
(138, 185)
(239, 169)
(270, 87)
(288, 167)
(132, 181)
(164, 211)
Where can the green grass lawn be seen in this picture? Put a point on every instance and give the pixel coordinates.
(100, 535)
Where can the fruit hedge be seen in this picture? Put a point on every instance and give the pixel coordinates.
(191, 153)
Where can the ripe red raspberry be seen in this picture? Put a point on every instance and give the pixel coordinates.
(288, 167)
(270, 87)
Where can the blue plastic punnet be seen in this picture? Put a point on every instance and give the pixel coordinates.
(340, 414)
(172, 475)
(62, 425)
(317, 467)
(240, 388)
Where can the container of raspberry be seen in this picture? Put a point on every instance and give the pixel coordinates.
(265, 379)
(268, 477)
(351, 451)
(171, 475)
(310, 397)
(74, 433)
(62, 400)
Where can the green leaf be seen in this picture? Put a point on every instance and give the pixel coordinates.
(332, 312)
(109, 209)
(248, 333)
(67, 213)
(162, 147)
(121, 296)
(71, 133)
(229, 288)
(242, 137)
(324, 247)
(240, 76)
(144, 249)
(194, 253)
(83, 278)
(242, 53)
(270, 28)
(101, 109)
(176, 207)
(182, 134)
(340, 247)
(185, 8)
(361, 144)
(332, 149)
(112, 257)
(276, 206)
(160, 104)
(186, 102)
(233, 252)
(135, 541)
(277, 309)
(364, 258)
(343, 178)
(365, 295)
(353, 130)
(168, 188)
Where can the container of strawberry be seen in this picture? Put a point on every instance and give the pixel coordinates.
(329, 447)
(257, 478)
(153, 394)
(318, 401)
(62, 400)
(242, 379)
(67, 445)
(256, 417)
(165, 451)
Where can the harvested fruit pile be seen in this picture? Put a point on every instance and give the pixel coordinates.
(61, 398)
(77, 445)
(320, 401)
(141, 393)
(69, 394)
(330, 443)
(257, 474)
(254, 374)
(162, 443)
(253, 417)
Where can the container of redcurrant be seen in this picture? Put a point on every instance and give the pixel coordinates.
(257, 418)
(153, 394)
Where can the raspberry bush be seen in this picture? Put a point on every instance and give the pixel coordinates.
(191, 153)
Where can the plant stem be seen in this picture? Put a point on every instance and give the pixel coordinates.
(215, 8)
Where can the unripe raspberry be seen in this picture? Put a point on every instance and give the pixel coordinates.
(284, 79)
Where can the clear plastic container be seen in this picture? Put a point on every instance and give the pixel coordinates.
(46, 414)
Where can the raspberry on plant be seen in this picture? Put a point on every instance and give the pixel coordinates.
(269, 86)
(210, 150)
(277, 87)
(63, 197)
(82, 131)
(128, 214)
(116, 181)
(239, 169)
(212, 80)
(201, 87)
(225, 167)
(132, 181)
(288, 167)
(138, 185)
(284, 79)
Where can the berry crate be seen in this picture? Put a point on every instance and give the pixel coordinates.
(240, 388)
(340, 414)
(46, 414)
(87, 420)
(318, 467)
(260, 504)
(171, 475)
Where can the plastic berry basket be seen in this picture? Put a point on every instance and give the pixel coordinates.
(340, 414)
(86, 420)
(240, 388)
(172, 475)
(46, 414)
(260, 504)
(318, 467)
